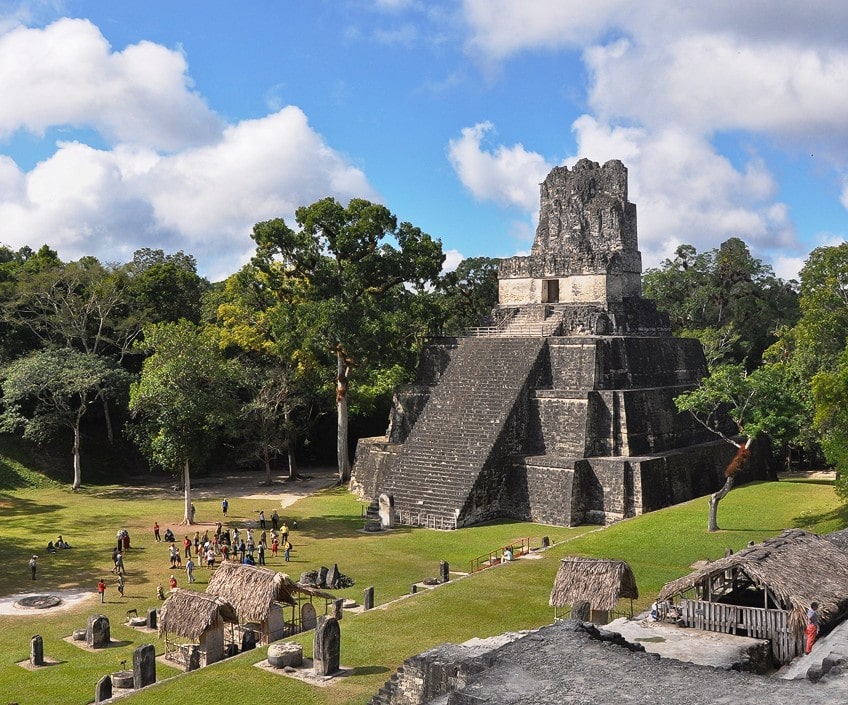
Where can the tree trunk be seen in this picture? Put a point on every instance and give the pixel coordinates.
(738, 462)
(291, 440)
(715, 498)
(341, 405)
(187, 518)
(107, 416)
(77, 468)
(267, 460)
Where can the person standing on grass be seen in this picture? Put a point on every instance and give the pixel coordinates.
(287, 550)
(225, 505)
(101, 588)
(172, 583)
(121, 586)
(156, 532)
(275, 520)
(33, 565)
(261, 518)
(189, 569)
(187, 546)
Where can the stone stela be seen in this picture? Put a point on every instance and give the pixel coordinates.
(559, 408)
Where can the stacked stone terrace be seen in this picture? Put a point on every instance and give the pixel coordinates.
(562, 411)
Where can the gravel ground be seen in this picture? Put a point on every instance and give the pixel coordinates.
(566, 664)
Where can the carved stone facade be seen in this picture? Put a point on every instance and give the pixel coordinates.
(585, 249)
(564, 412)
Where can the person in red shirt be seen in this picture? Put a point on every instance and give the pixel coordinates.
(172, 583)
(101, 588)
(187, 546)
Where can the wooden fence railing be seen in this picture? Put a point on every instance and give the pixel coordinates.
(519, 547)
(753, 622)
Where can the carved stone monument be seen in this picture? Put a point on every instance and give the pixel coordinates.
(97, 633)
(36, 651)
(152, 618)
(308, 618)
(368, 598)
(144, 666)
(326, 647)
(560, 409)
(444, 572)
(387, 511)
(103, 690)
(332, 579)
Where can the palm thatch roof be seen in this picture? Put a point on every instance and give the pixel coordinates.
(251, 590)
(189, 614)
(797, 567)
(600, 582)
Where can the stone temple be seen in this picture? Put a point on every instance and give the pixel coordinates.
(561, 409)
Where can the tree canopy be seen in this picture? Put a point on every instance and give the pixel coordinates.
(357, 271)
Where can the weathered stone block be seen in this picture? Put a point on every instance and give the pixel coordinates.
(286, 654)
(97, 633)
(326, 647)
(144, 666)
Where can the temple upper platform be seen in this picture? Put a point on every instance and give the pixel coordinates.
(585, 250)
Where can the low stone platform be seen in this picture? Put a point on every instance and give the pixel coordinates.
(725, 651)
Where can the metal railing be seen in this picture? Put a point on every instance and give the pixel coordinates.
(425, 520)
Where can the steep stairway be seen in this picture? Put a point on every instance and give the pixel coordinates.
(458, 429)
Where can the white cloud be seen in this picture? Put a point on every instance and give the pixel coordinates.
(452, 260)
(509, 176)
(67, 74)
(203, 200)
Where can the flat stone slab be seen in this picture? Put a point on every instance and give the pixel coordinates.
(682, 644)
(305, 673)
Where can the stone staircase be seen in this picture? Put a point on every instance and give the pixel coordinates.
(459, 429)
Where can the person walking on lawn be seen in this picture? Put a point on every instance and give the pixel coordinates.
(101, 588)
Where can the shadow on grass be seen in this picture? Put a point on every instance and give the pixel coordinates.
(369, 670)
(18, 506)
(838, 514)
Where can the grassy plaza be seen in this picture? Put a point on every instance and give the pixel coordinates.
(659, 546)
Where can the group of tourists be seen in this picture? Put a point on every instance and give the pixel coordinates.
(243, 546)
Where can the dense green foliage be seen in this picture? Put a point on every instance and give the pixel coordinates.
(725, 297)
(355, 275)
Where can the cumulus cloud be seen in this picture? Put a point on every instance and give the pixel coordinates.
(508, 176)
(203, 200)
(175, 175)
(67, 74)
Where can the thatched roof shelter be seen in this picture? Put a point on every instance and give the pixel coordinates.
(189, 614)
(797, 567)
(251, 590)
(600, 582)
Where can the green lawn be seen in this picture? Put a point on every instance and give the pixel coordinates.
(659, 547)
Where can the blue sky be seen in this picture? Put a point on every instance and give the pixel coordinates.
(178, 125)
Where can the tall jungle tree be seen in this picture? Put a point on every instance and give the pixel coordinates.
(361, 270)
(51, 389)
(185, 397)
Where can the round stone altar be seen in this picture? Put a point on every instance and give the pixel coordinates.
(38, 602)
(282, 655)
